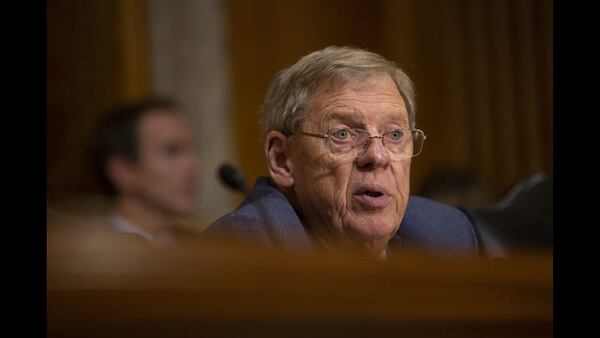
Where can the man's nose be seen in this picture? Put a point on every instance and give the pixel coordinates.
(374, 156)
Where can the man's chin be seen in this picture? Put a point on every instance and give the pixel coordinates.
(182, 209)
(371, 230)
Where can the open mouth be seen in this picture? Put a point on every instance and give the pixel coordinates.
(372, 193)
(372, 196)
(371, 190)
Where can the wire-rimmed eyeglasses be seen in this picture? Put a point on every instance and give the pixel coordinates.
(401, 142)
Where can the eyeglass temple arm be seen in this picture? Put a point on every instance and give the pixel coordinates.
(311, 134)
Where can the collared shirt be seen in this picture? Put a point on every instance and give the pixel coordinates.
(121, 224)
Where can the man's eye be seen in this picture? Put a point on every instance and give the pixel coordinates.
(342, 134)
(396, 135)
(172, 149)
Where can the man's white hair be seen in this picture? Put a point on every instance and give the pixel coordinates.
(288, 98)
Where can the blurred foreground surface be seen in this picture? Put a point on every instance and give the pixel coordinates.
(100, 286)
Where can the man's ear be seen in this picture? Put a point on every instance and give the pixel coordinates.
(278, 160)
(121, 173)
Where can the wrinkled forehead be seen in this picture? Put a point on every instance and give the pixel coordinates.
(368, 100)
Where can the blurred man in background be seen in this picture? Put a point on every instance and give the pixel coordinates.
(143, 155)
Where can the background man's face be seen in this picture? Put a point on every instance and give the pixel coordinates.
(361, 197)
(165, 171)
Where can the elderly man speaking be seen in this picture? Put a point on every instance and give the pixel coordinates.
(339, 136)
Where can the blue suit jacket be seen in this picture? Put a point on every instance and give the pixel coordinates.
(267, 218)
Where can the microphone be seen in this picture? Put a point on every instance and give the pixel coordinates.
(233, 177)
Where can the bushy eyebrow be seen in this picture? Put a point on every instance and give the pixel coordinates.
(352, 116)
(401, 122)
(356, 118)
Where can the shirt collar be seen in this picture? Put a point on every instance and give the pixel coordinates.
(123, 225)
